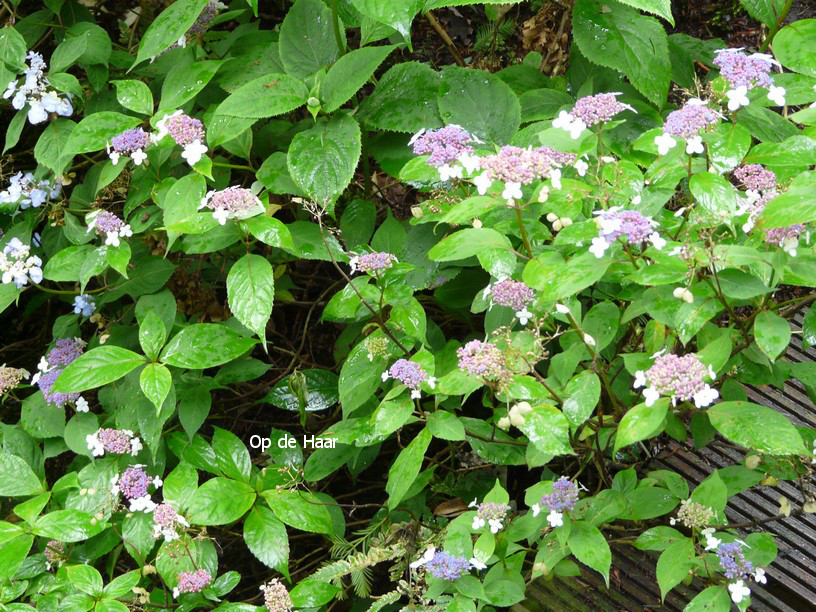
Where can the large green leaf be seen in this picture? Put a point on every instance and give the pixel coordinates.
(267, 96)
(590, 547)
(17, 479)
(766, 11)
(661, 8)
(251, 291)
(300, 509)
(205, 345)
(795, 205)
(307, 41)
(793, 152)
(620, 38)
(155, 381)
(321, 388)
(756, 427)
(641, 422)
(97, 367)
(397, 14)
(265, 536)
(481, 103)
(467, 243)
(404, 100)
(12, 49)
(674, 565)
(795, 46)
(406, 467)
(772, 333)
(220, 501)
(322, 159)
(350, 73)
(184, 81)
(548, 430)
(556, 280)
(134, 95)
(68, 526)
(581, 396)
(95, 131)
(168, 27)
(716, 196)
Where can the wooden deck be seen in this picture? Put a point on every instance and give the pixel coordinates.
(791, 584)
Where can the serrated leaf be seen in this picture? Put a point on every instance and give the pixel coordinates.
(404, 100)
(95, 131)
(266, 96)
(756, 427)
(661, 8)
(97, 367)
(322, 159)
(134, 95)
(155, 381)
(349, 73)
(307, 41)
(251, 292)
(168, 27)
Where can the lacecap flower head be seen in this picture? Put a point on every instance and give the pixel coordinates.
(631, 224)
(512, 294)
(410, 374)
(36, 91)
(186, 131)
(108, 225)
(28, 192)
(18, 265)
(231, 203)
(131, 143)
(563, 498)
(683, 378)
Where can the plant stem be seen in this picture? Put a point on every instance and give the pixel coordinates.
(775, 28)
(524, 238)
(445, 38)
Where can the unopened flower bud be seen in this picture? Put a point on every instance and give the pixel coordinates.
(566, 221)
(752, 462)
(523, 408)
(504, 423)
(516, 419)
(551, 217)
(557, 225)
(313, 102)
(477, 223)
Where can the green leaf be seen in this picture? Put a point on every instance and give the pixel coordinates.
(155, 381)
(152, 334)
(68, 526)
(481, 103)
(641, 422)
(321, 388)
(404, 100)
(795, 46)
(590, 548)
(406, 467)
(548, 430)
(756, 427)
(793, 152)
(15, 129)
(467, 243)
(766, 11)
(538, 104)
(205, 345)
(13, 49)
(349, 74)
(17, 479)
(618, 37)
(712, 599)
(312, 594)
(397, 14)
(134, 95)
(13, 553)
(300, 509)
(307, 41)
(446, 425)
(184, 81)
(581, 397)
(267, 96)
(661, 8)
(85, 578)
(674, 565)
(715, 195)
(359, 378)
(168, 27)
(795, 205)
(51, 144)
(220, 501)
(232, 454)
(809, 328)
(265, 536)
(97, 367)
(772, 333)
(322, 159)
(251, 292)
(95, 131)
(555, 280)
(658, 538)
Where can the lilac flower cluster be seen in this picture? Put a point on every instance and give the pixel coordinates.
(787, 238)
(186, 131)
(131, 143)
(28, 192)
(35, 92)
(133, 484)
(614, 223)
(482, 359)
(444, 145)
(513, 294)
(519, 166)
(410, 374)
(756, 178)
(232, 202)
(17, 265)
(741, 70)
(65, 351)
(166, 522)
(446, 566)
(598, 108)
(491, 514)
(10, 378)
(690, 121)
(115, 441)
(54, 554)
(733, 562)
(372, 262)
(109, 225)
(192, 582)
(276, 597)
(563, 498)
(84, 305)
(681, 377)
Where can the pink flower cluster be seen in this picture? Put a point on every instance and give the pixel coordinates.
(756, 177)
(114, 441)
(690, 120)
(276, 597)
(54, 553)
(444, 145)
(52, 365)
(564, 496)
(741, 70)
(192, 582)
(598, 108)
(372, 262)
(166, 522)
(522, 166)
(482, 359)
(409, 373)
(133, 484)
(230, 202)
(184, 129)
(680, 377)
(614, 223)
(130, 140)
(513, 294)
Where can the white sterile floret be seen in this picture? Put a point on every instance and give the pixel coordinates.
(599, 246)
(664, 143)
(737, 98)
(555, 519)
(193, 152)
(469, 162)
(483, 182)
(512, 192)
(581, 167)
(738, 591)
(695, 145)
(425, 558)
(777, 95)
